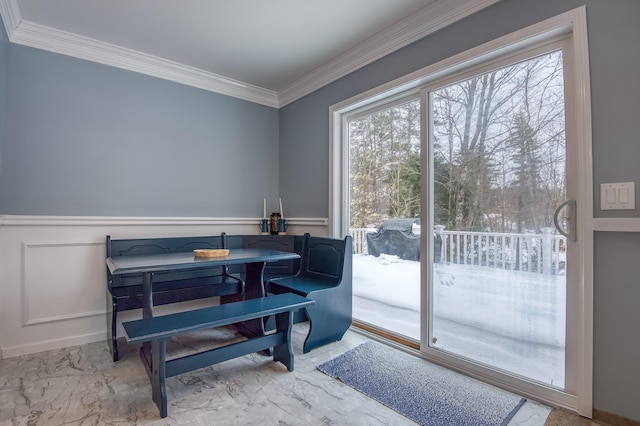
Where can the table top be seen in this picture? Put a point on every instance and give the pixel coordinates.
(187, 260)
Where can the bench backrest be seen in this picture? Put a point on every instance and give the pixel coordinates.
(143, 246)
(326, 259)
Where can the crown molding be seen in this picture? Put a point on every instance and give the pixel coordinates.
(428, 20)
(10, 15)
(433, 17)
(65, 43)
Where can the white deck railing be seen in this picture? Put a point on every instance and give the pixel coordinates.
(540, 253)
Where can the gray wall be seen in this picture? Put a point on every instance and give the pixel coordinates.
(616, 322)
(613, 38)
(614, 35)
(78, 138)
(86, 139)
(4, 50)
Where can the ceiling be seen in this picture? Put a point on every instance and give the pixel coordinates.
(268, 48)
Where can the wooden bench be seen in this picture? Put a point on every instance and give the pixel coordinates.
(124, 292)
(325, 276)
(158, 330)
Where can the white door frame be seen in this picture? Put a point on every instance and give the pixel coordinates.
(578, 124)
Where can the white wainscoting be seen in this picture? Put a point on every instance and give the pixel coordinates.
(53, 276)
(64, 272)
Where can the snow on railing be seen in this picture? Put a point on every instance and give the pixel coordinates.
(543, 253)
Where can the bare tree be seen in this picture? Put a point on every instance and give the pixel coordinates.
(498, 152)
(385, 181)
(500, 138)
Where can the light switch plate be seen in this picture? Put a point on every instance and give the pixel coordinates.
(618, 196)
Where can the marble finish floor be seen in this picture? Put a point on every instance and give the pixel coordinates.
(81, 386)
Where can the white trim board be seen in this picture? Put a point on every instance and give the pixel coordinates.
(578, 397)
(52, 344)
(631, 224)
(28, 220)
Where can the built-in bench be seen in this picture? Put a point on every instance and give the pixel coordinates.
(158, 330)
(124, 292)
(325, 276)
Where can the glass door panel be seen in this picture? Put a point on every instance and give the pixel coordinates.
(498, 289)
(384, 216)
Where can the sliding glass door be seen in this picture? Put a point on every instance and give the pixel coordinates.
(498, 156)
(460, 187)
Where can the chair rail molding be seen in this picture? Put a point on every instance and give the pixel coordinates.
(630, 224)
(30, 220)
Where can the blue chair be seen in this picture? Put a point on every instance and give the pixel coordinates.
(325, 276)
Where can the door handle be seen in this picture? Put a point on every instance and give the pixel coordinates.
(570, 218)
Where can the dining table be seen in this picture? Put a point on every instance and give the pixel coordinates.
(254, 260)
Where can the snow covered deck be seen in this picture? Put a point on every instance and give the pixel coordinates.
(511, 320)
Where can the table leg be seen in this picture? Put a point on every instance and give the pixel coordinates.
(147, 312)
(253, 288)
(147, 291)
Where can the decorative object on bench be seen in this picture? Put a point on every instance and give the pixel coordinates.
(282, 223)
(158, 330)
(211, 252)
(264, 223)
(125, 291)
(282, 227)
(325, 276)
(264, 227)
(274, 223)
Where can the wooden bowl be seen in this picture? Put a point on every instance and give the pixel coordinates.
(211, 252)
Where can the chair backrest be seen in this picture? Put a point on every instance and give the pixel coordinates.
(326, 259)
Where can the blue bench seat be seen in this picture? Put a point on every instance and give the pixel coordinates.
(157, 330)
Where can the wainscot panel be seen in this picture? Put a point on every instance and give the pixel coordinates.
(53, 272)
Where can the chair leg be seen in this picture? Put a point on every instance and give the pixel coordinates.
(158, 376)
(284, 352)
(112, 325)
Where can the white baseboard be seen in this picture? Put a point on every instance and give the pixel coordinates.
(48, 345)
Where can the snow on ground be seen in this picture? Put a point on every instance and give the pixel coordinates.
(508, 319)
